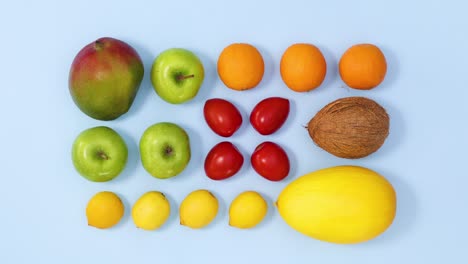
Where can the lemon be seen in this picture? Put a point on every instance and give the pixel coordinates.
(247, 210)
(104, 210)
(151, 210)
(343, 204)
(198, 209)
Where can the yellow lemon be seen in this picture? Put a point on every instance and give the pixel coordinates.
(104, 210)
(151, 210)
(198, 209)
(247, 210)
(343, 204)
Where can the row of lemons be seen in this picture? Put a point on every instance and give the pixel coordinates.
(105, 210)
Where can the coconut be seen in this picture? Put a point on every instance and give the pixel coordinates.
(351, 127)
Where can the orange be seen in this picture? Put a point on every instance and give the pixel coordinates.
(303, 67)
(363, 66)
(240, 66)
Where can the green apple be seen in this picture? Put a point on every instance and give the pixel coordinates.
(164, 150)
(177, 75)
(99, 154)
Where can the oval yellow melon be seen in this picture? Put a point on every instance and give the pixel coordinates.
(343, 204)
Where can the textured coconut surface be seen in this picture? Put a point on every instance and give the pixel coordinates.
(351, 127)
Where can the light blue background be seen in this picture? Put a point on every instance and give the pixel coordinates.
(42, 198)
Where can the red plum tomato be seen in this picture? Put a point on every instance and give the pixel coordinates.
(222, 116)
(270, 161)
(223, 161)
(269, 115)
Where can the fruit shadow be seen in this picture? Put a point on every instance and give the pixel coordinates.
(408, 211)
(293, 164)
(397, 131)
(146, 87)
(393, 68)
(196, 157)
(270, 68)
(222, 212)
(270, 216)
(291, 120)
(133, 157)
(246, 166)
(173, 216)
(127, 209)
(332, 69)
(244, 128)
(209, 82)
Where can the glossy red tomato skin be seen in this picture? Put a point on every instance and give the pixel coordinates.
(270, 161)
(270, 114)
(222, 116)
(223, 161)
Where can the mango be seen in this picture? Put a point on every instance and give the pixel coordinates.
(105, 77)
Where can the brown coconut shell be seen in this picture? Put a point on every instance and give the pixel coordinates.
(351, 127)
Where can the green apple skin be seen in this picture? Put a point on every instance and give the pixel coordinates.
(177, 75)
(99, 154)
(105, 77)
(164, 150)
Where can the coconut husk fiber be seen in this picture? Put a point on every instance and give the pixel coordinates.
(351, 127)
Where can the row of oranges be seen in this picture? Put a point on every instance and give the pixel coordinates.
(302, 67)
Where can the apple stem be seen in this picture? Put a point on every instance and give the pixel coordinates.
(168, 150)
(183, 77)
(98, 45)
(103, 155)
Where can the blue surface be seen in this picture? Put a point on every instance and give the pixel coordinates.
(42, 198)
